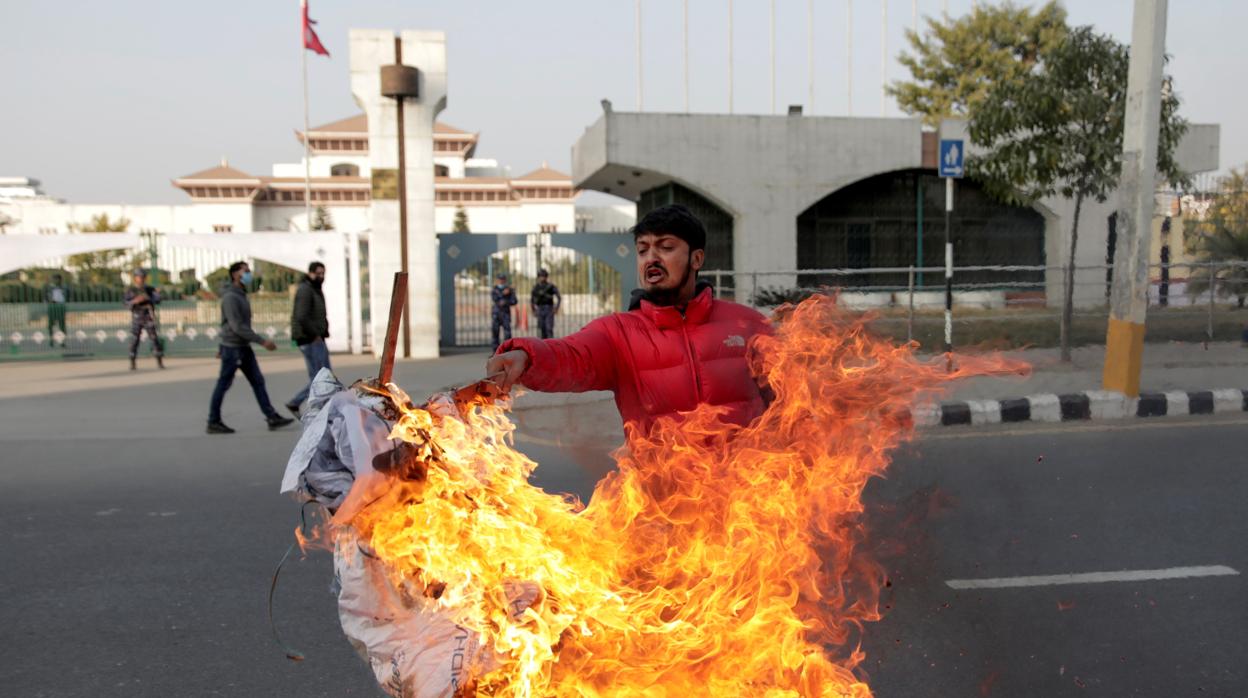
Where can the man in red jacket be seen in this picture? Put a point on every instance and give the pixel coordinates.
(677, 347)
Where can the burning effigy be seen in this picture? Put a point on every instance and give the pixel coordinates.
(717, 560)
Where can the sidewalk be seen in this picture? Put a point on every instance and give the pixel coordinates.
(1171, 366)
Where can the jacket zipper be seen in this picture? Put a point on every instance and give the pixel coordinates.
(693, 363)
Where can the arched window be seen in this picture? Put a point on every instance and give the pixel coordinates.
(344, 169)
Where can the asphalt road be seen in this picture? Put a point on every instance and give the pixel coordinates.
(137, 556)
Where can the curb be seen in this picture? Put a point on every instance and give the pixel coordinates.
(1082, 406)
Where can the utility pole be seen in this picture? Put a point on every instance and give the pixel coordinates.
(730, 56)
(883, 57)
(640, 103)
(773, 56)
(1128, 302)
(686, 45)
(849, 56)
(810, 54)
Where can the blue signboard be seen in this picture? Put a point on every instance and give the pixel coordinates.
(951, 152)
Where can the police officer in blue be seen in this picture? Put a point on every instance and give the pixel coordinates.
(142, 300)
(545, 301)
(503, 298)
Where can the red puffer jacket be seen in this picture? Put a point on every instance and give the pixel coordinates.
(656, 361)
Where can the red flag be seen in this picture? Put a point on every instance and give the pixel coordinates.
(310, 40)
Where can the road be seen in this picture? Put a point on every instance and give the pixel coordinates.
(138, 550)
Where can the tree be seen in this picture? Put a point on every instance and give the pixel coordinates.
(956, 62)
(100, 267)
(1223, 237)
(1060, 132)
(321, 219)
(461, 221)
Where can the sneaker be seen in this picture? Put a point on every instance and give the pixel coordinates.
(133, 367)
(160, 361)
(294, 408)
(219, 428)
(277, 421)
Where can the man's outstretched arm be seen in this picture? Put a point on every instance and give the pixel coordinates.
(577, 363)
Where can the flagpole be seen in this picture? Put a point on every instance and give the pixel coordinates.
(307, 159)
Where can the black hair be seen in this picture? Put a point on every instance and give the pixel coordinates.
(235, 267)
(673, 219)
(314, 266)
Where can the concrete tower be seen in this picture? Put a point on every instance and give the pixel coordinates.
(371, 49)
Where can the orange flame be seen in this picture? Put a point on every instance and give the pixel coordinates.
(719, 560)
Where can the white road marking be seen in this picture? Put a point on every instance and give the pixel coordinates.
(1093, 577)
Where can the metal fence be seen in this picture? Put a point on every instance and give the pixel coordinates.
(82, 328)
(589, 289)
(1010, 306)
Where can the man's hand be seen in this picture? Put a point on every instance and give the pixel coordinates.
(268, 344)
(139, 298)
(507, 291)
(507, 368)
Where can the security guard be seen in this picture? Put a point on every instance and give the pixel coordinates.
(502, 298)
(545, 301)
(142, 300)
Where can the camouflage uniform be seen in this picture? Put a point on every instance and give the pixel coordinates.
(143, 317)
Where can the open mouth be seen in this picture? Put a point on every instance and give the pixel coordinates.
(655, 275)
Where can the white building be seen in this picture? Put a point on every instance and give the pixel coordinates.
(224, 199)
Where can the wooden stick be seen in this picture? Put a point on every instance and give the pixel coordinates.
(398, 298)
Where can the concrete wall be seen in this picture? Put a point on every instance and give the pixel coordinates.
(763, 170)
(766, 170)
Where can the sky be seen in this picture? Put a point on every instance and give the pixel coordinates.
(106, 102)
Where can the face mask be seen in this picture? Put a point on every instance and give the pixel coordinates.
(245, 278)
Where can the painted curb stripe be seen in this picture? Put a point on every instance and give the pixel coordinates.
(1200, 402)
(1076, 406)
(1151, 405)
(955, 413)
(1019, 410)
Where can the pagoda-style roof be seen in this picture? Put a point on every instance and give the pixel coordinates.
(221, 172)
(545, 174)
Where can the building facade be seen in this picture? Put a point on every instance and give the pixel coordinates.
(478, 192)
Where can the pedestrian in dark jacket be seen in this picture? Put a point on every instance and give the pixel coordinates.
(503, 297)
(545, 301)
(676, 348)
(309, 327)
(142, 300)
(236, 353)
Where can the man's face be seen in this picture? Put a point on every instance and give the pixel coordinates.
(139, 280)
(664, 262)
(242, 270)
(318, 275)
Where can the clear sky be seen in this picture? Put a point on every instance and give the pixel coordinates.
(105, 102)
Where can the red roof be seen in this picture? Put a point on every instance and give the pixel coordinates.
(544, 174)
(220, 172)
(359, 124)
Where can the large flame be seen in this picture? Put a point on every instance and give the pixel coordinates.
(719, 560)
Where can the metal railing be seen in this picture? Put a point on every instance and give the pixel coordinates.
(80, 329)
(1016, 305)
